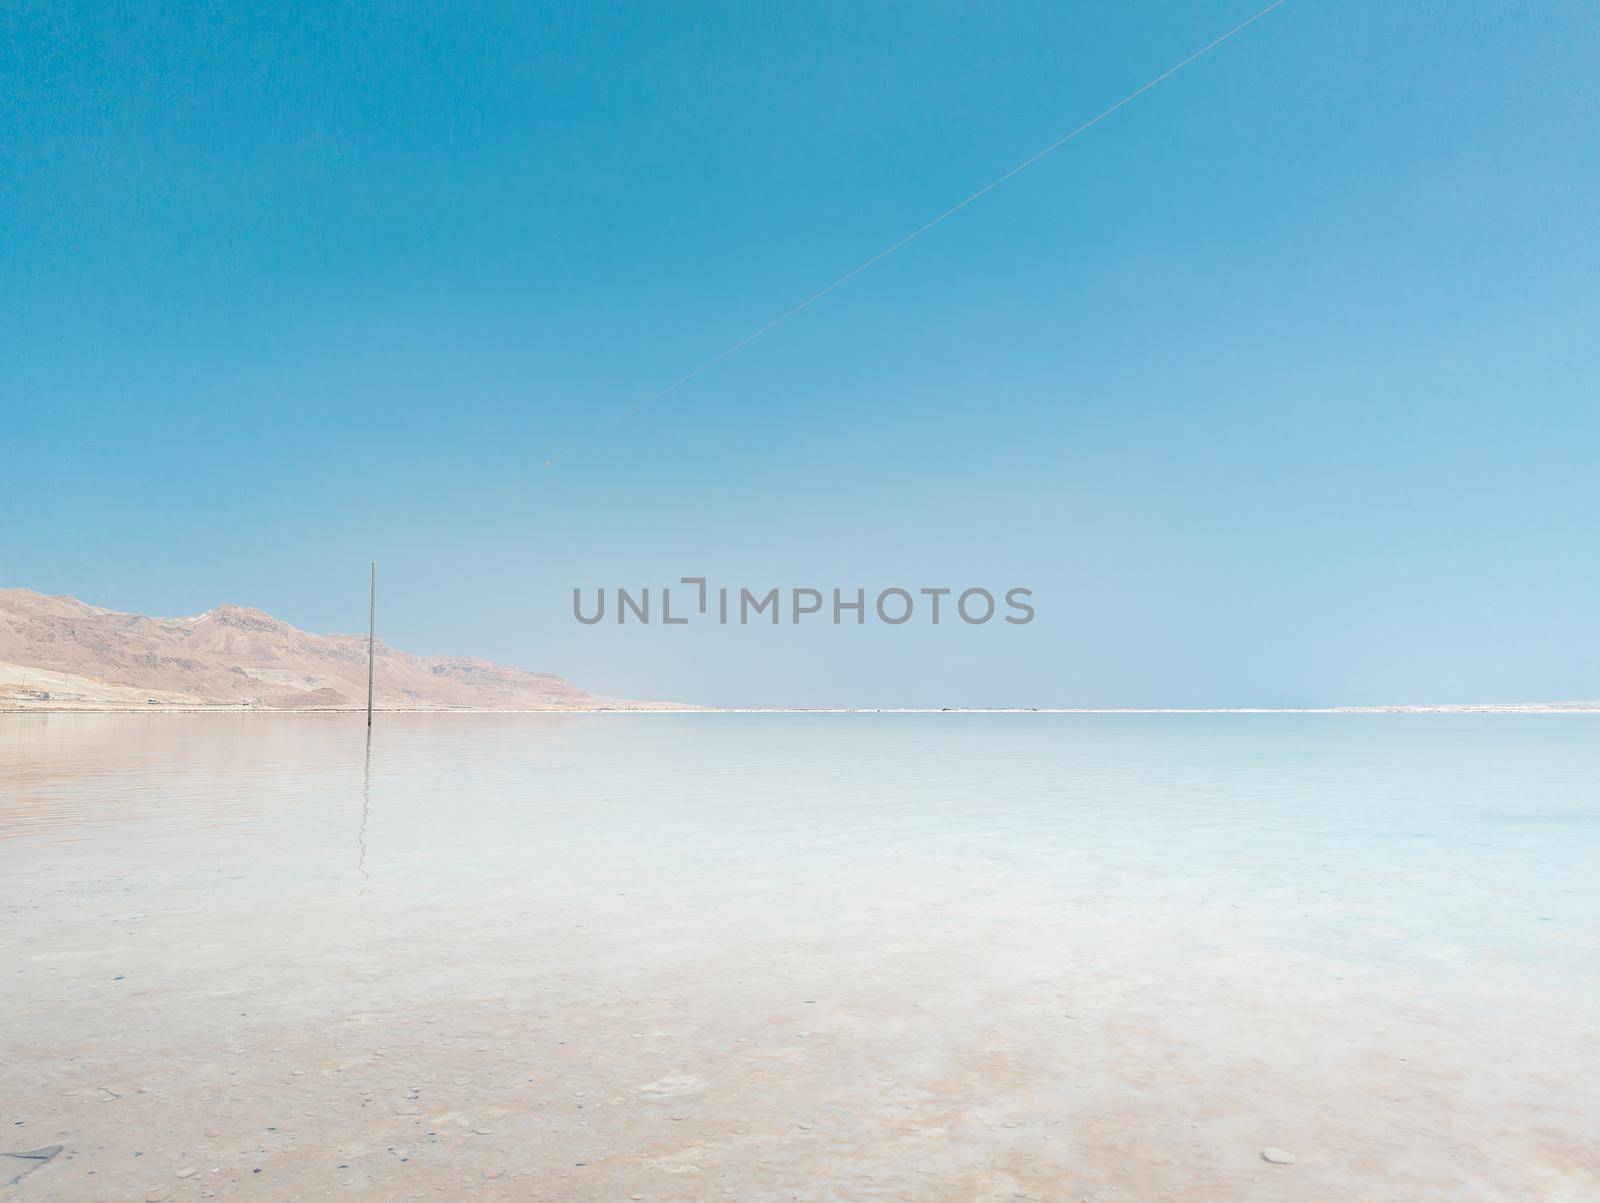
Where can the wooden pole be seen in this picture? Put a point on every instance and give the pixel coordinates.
(372, 627)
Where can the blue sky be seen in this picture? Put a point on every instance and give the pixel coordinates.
(1277, 387)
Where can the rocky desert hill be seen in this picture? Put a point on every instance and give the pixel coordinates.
(60, 652)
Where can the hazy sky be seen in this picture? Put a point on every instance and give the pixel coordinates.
(1277, 387)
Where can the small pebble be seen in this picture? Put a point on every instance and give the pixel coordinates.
(1277, 1156)
(186, 1172)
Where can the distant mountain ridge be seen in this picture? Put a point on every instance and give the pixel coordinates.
(60, 651)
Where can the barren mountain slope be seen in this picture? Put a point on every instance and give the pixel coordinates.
(237, 656)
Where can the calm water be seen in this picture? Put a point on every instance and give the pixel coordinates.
(801, 957)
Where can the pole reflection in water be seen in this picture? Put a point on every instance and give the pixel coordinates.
(366, 808)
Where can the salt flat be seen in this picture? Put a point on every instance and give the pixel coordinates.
(817, 957)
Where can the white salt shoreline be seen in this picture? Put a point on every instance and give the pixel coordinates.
(8, 706)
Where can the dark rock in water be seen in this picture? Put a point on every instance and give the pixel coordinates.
(25, 1163)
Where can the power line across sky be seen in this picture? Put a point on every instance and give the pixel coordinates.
(661, 394)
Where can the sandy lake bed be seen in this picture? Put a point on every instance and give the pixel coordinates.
(814, 957)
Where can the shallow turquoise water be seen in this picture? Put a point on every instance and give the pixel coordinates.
(1369, 938)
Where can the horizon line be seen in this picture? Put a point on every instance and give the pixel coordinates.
(689, 708)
